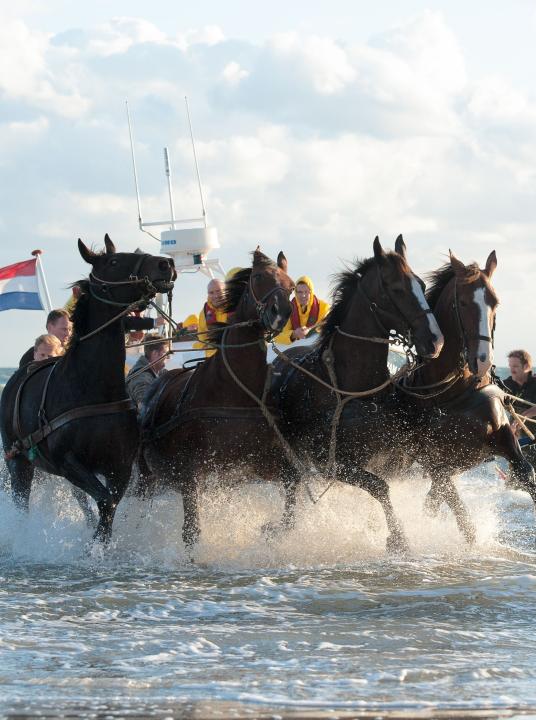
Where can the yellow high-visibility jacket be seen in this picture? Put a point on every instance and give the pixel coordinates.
(220, 316)
(284, 337)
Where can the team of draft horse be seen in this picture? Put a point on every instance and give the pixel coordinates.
(331, 409)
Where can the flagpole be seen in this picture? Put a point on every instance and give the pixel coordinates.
(40, 269)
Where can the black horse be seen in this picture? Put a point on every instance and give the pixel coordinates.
(71, 416)
(380, 294)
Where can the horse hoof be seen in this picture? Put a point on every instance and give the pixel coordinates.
(397, 544)
(469, 533)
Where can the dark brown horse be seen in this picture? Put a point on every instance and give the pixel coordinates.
(72, 417)
(379, 295)
(455, 418)
(206, 420)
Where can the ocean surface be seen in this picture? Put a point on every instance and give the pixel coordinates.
(321, 623)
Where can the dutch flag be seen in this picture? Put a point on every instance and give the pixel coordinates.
(19, 289)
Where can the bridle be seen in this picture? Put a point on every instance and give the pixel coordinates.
(376, 309)
(261, 305)
(97, 284)
(464, 336)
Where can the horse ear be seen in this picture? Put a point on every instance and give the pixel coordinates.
(282, 261)
(491, 264)
(456, 265)
(400, 246)
(110, 247)
(258, 256)
(87, 254)
(379, 252)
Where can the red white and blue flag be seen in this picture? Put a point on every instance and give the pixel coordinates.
(18, 287)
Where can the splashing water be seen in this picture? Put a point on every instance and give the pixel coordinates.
(320, 619)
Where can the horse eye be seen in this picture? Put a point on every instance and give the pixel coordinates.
(113, 262)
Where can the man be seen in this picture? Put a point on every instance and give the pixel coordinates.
(522, 383)
(59, 325)
(211, 312)
(46, 346)
(307, 312)
(149, 366)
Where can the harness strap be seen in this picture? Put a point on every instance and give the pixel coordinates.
(112, 408)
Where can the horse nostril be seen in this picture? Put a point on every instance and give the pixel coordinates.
(482, 357)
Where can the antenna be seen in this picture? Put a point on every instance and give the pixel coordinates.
(189, 240)
(134, 170)
(195, 161)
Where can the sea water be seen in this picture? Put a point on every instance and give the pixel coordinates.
(321, 622)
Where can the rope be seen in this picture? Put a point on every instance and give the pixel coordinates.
(289, 452)
(404, 370)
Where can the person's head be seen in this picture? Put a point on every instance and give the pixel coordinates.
(520, 364)
(304, 290)
(154, 351)
(47, 346)
(215, 290)
(59, 324)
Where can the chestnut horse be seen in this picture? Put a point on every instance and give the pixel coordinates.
(71, 416)
(380, 294)
(449, 417)
(207, 420)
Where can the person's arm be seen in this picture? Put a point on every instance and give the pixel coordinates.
(201, 328)
(137, 388)
(285, 336)
(135, 323)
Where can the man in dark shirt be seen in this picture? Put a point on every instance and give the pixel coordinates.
(521, 382)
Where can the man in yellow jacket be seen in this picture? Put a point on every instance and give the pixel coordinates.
(307, 312)
(211, 312)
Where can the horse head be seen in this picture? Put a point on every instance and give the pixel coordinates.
(123, 278)
(261, 293)
(396, 298)
(473, 301)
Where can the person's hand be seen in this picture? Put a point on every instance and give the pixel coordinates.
(299, 334)
(159, 321)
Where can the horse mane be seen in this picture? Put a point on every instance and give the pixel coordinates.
(79, 316)
(343, 288)
(234, 289)
(440, 278)
(236, 285)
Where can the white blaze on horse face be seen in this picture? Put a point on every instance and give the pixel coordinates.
(484, 355)
(432, 322)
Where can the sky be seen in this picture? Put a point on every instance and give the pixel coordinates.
(318, 126)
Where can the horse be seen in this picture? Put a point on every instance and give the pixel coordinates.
(71, 415)
(208, 419)
(328, 397)
(449, 417)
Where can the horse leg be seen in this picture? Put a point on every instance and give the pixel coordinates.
(433, 499)
(505, 444)
(379, 489)
(442, 490)
(21, 472)
(288, 519)
(117, 482)
(72, 469)
(190, 527)
(83, 503)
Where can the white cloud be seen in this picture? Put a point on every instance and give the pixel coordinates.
(304, 142)
(233, 73)
(321, 60)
